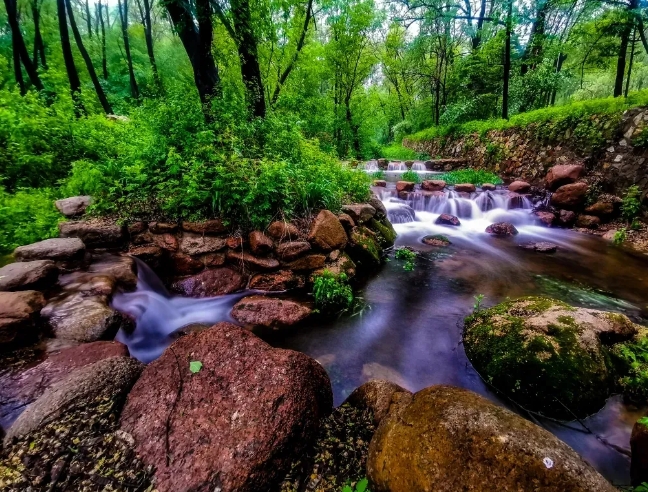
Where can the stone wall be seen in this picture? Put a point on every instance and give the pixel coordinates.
(610, 147)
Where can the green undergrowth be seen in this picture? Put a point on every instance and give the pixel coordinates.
(332, 293)
(631, 361)
(475, 176)
(407, 256)
(396, 152)
(586, 121)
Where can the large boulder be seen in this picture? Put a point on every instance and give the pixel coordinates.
(292, 250)
(277, 281)
(570, 196)
(449, 439)
(19, 312)
(563, 174)
(502, 229)
(108, 380)
(93, 232)
(447, 219)
(360, 212)
(84, 318)
(73, 206)
(196, 244)
(519, 187)
(58, 249)
(235, 424)
(28, 275)
(433, 185)
(384, 231)
(364, 248)
(380, 397)
(546, 355)
(260, 244)
(269, 312)
(465, 188)
(327, 232)
(283, 231)
(212, 282)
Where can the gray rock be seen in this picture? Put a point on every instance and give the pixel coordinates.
(110, 378)
(28, 275)
(73, 206)
(359, 212)
(51, 249)
(196, 244)
(95, 232)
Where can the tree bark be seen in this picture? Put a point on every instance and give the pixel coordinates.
(145, 14)
(72, 73)
(18, 44)
(18, 69)
(88, 62)
(88, 18)
(123, 16)
(632, 52)
(248, 54)
(476, 40)
(104, 61)
(507, 61)
(534, 47)
(621, 60)
(39, 45)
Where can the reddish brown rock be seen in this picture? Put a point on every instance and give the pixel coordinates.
(488, 187)
(283, 231)
(121, 268)
(563, 174)
(235, 242)
(547, 218)
(447, 219)
(502, 229)
(380, 396)
(214, 226)
(309, 262)
(519, 187)
(247, 260)
(166, 241)
(449, 439)
(269, 312)
(162, 227)
(566, 218)
(465, 188)
(260, 244)
(359, 212)
(136, 228)
(292, 250)
(195, 244)
(28, 275)
(601, 209)
(327, 232)
(570, 196)
(277, 281)
(588, 221)
(213, 282)
(151, 255)
(381, 183)
(211, 260)
(185, 264)
(433, 185)
(93, 232)
(347, 221)
(237, 423)
(19, 314)
(402, 186)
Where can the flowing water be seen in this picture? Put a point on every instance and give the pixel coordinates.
(410, 332)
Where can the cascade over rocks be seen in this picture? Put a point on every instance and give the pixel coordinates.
(269, 312)
(449, 439)
(28, 275)
(73, 206)
(536, 346)
(237, 423)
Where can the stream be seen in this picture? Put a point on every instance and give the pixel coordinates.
(410, 330)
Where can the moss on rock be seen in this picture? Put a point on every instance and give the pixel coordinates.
(546, 355)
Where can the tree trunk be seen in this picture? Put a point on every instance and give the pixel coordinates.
(148, 36)
(88, 62)
(476, 40)
(354, 128)
(18, 68)
(632, 52)
(248, 55)
(559, 63)
(507, 61)
(535, 45)
(73, 75)
(197, 43)
(123, 15)
(621, 61)
(104, 61)
(18, 44)
(39, 45)
(88, 18)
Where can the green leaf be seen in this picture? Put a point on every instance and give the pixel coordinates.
(361, 486)
(195, 366)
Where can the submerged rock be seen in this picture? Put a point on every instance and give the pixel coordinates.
(540, 247)
(436, 240)
(234, 425)
(546, 355)
(269, 312)
(447, 219)
(449, 439)
(28, 275)
(502, 229)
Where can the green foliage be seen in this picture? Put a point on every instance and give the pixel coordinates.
(640, 139)
(380, 174)
(619, 236)
(332, 293)
(360, 486)
(397, 152)
(195, 366)
(631, 363)
(411, 176)
(643, 487)
(478, 302)
(26, 217)
(475, 176)
(408, 256)
(631, 203)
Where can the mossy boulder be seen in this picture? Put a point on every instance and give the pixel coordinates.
(546, 355)
(364, 247)
(384, 231)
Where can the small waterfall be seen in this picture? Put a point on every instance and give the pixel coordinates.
(369, 166)
(419, 166)
(396, 166)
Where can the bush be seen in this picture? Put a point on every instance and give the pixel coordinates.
(411, 176)
(408, 256)
(631, 361)
(631, 203)
(397, 152)
(475, 176)
(26, 217)
(332, 293)
(619, 236)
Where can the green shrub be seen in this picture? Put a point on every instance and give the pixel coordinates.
(475, 176)
(27, 216)
(619, 236)
(631, 363)
(631, 203)
(397, 152)
(380, 174)
(332, 293)
(408, 256)
(360, 486)
(411, 176)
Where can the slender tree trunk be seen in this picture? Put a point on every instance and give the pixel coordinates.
(18, 44)
(104, 61)
(534, 47)
(88, 62)
(559, 63)
(354, 128)
(507, 61)
(148, 36)
(621, 61)
(476, 40)
(88, 18)
(73, 74)
(123, 15)
(632, 52)
(18, 69)
(39, 45)
(248, 55)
